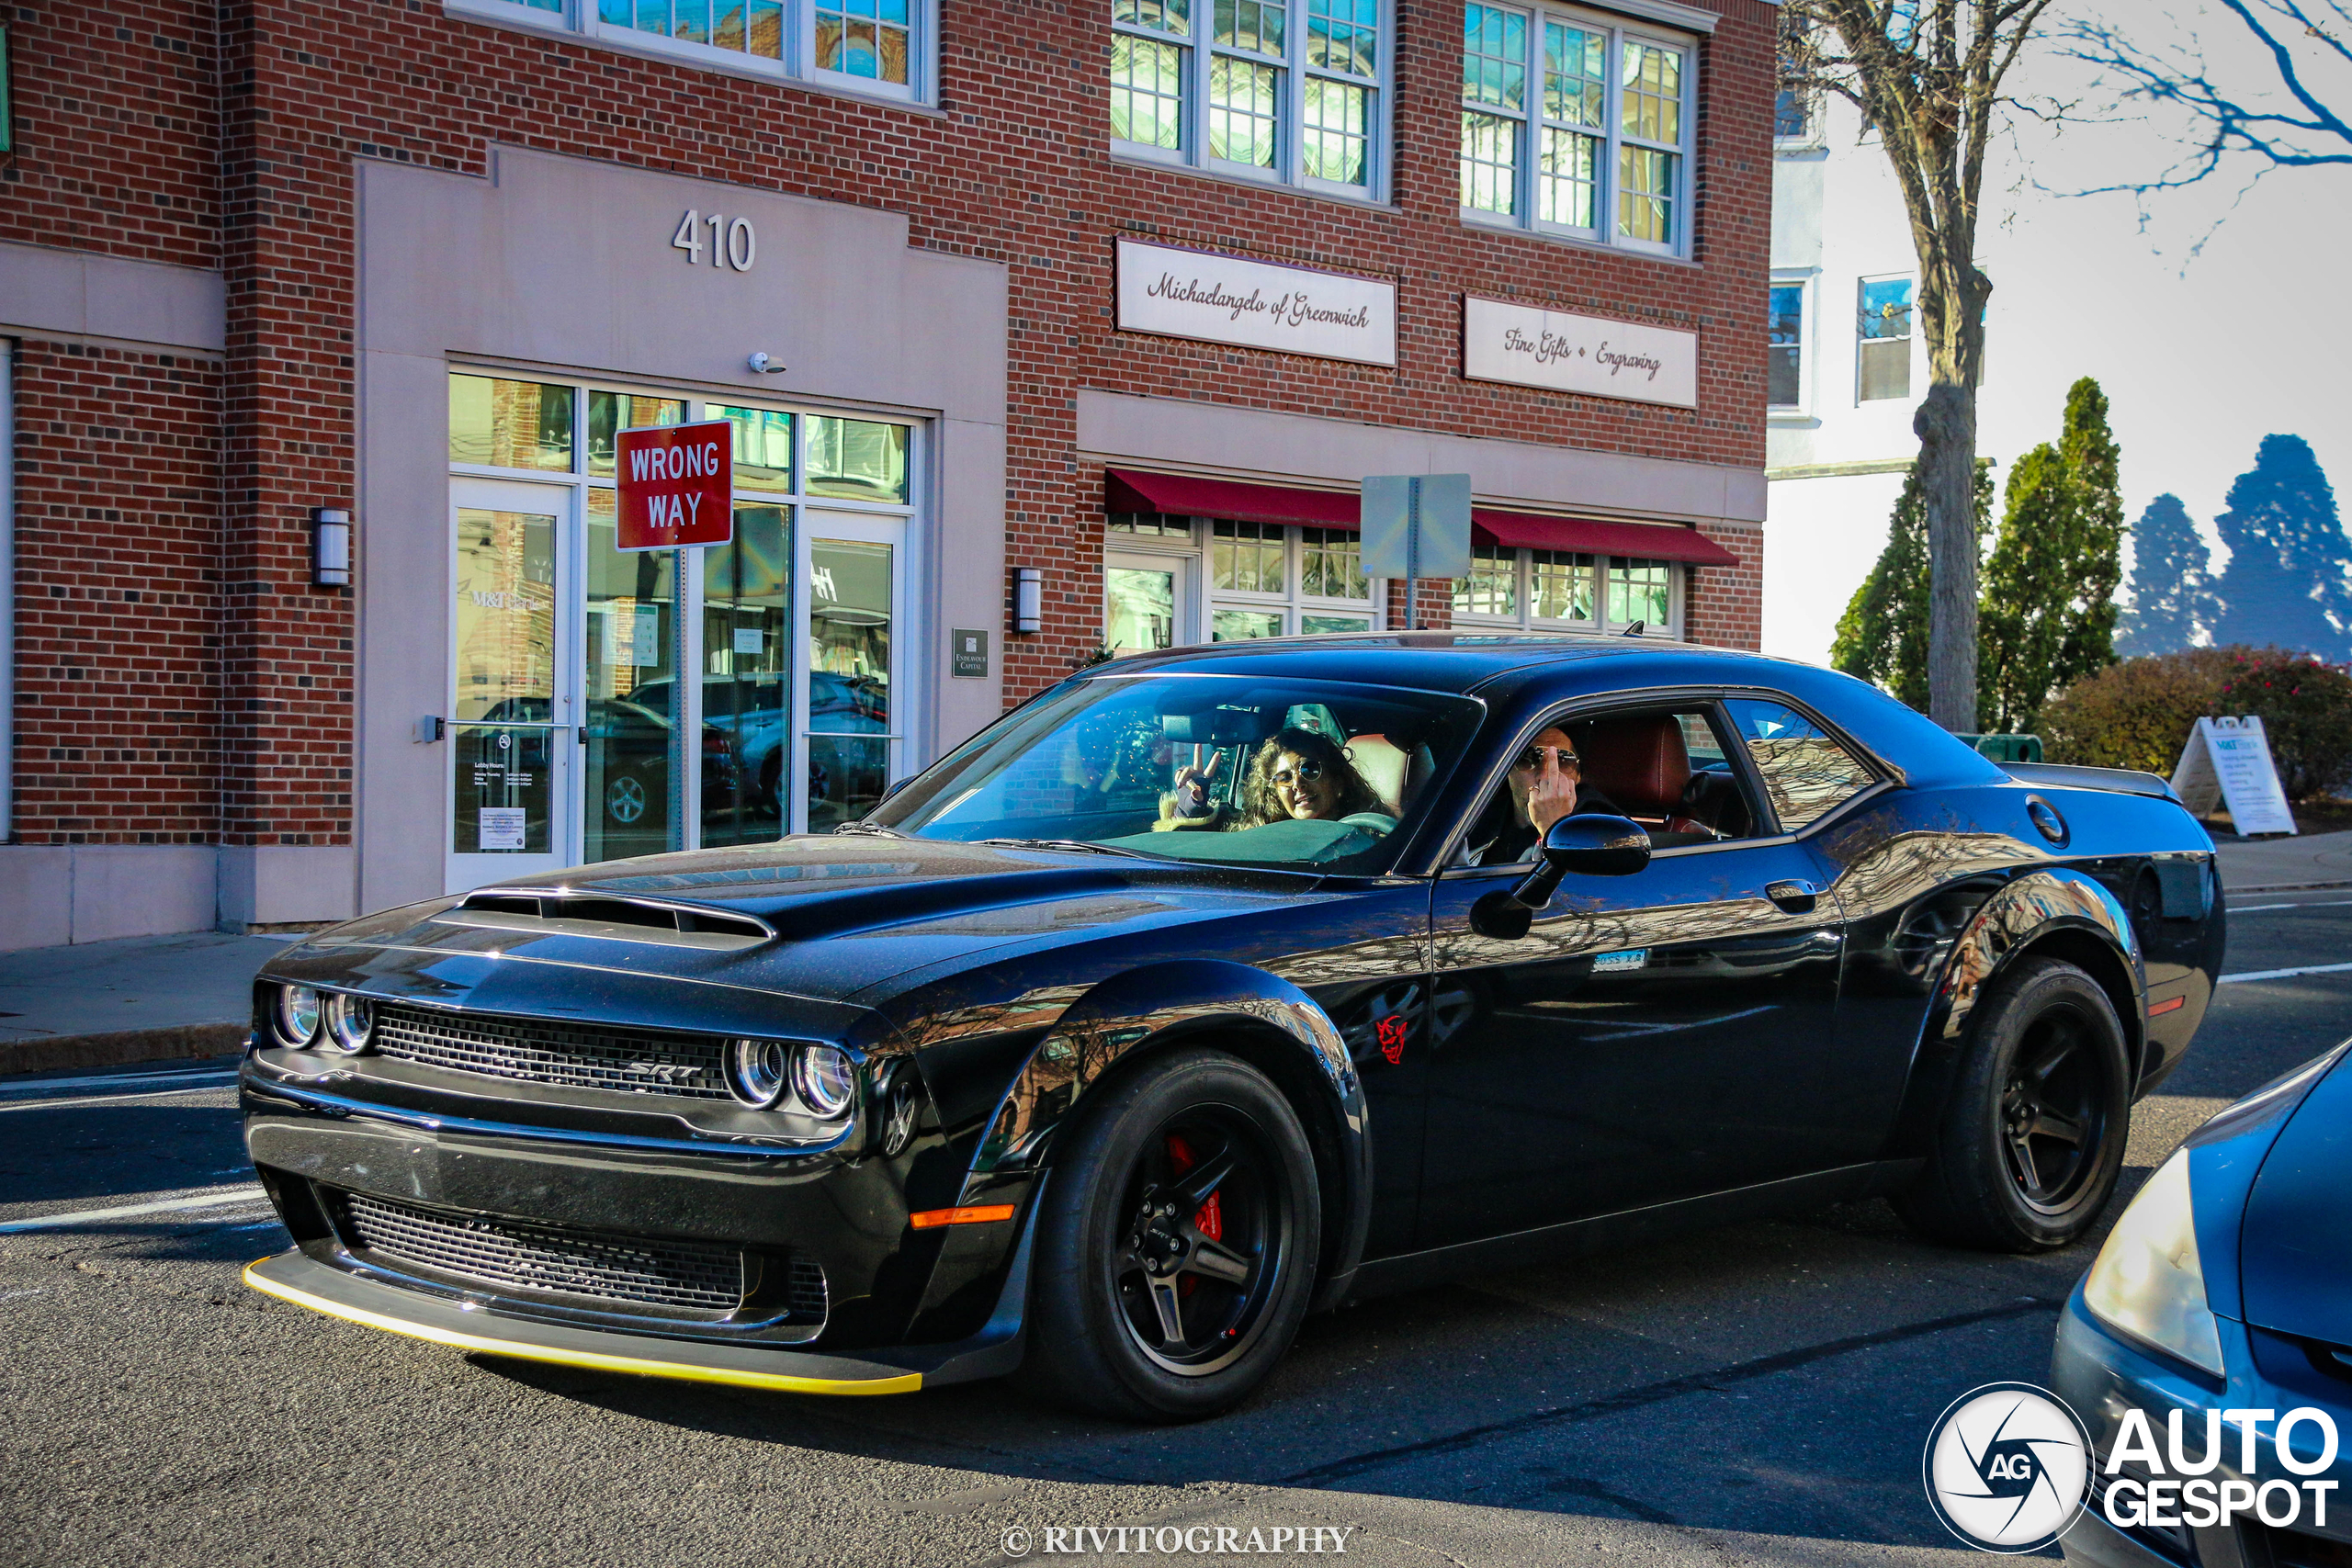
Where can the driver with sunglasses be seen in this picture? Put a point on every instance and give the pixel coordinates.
(1546, 784)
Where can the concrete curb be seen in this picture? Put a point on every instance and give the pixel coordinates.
(55, 1052)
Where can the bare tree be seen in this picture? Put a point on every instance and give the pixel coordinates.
(1928, 75)
(2279, 117)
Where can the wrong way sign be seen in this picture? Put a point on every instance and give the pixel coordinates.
(674, 486)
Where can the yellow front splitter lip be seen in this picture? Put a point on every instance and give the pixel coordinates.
(885, 1380)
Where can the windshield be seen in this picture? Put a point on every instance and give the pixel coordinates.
(1295, 774)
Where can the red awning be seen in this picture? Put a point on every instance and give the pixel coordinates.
(1183, 495)
(1187, 495)
(1654, 541)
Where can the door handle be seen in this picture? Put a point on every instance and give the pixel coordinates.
(1797, 897)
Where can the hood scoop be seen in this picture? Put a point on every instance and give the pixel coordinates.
(607, 918)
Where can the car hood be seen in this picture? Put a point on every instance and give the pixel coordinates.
(2295, 1251)
(849, 913)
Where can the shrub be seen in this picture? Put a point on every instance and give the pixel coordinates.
(2306, 711)
(2138, 714)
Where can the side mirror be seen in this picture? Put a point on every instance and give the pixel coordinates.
(1590, 844)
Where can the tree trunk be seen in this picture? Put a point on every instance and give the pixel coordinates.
(1945, 425)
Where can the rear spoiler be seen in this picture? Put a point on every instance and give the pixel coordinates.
(2061, 775)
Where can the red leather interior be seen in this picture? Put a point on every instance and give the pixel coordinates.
(1640, 763)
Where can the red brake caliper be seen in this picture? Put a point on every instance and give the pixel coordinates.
(1208, 1221)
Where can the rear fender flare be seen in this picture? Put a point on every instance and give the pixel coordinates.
(2056, 911)
(1267, 1019)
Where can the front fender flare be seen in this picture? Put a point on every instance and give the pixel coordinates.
(1159, 1005)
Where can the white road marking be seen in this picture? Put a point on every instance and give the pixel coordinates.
(7, 1105)
(2258, 909)
(2285, 973)
(249, 1193)
(118, 1080)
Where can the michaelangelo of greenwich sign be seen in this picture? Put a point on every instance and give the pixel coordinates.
(1593, 354)
(1255, 304)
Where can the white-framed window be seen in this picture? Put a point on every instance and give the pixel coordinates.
(1294, 92)
(1882, 338)
(1788, 377)
(1577, 125)
(1180, 580)
(880, 48)
(1533, 589)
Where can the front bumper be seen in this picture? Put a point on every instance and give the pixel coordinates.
(306, 1282)
(2102, 1376)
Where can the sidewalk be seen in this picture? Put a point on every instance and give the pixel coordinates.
(2276, 865)
(138, 1000)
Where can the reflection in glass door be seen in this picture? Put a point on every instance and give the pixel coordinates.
(1142, 601)
(851, 596)
(509, 770)
(628, 681)
(747, 650)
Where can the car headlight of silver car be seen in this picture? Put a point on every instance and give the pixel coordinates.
(2147, 1281)
(297, 1015)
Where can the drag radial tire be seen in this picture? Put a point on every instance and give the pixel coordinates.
(2033, 1134)
(1176, 1243)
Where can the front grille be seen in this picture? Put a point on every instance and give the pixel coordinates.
(630, 1272)
(575, 1055)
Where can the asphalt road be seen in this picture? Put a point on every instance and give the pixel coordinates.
(1758, 1394)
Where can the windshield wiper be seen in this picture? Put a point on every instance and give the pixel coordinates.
(1080, 845)
(870, 829)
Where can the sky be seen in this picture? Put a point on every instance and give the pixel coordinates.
(2201, 352)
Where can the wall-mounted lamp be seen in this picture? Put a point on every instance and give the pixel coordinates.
(761, 365)
(330, 547)
(1028, 600)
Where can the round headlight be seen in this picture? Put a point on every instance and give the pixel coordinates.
(758, 1071)
(298, 1014)
(351, 1024)
(825, 1079)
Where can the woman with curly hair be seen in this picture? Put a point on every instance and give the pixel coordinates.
(1297, 775)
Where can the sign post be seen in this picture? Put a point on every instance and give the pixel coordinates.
(676, 484)
(1416, 526)
(2229, 760)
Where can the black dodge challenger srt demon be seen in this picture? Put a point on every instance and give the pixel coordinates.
(1215, 986)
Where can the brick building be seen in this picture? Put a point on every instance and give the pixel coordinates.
(1126, 294)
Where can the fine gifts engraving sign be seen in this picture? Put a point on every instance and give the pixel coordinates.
(1255, 304)
(1593, 354)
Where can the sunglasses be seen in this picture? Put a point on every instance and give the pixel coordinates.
(1533, 758)
(1307, 771)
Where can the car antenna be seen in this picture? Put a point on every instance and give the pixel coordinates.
(1633, 630)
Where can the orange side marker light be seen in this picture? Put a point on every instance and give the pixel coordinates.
(980, 1214)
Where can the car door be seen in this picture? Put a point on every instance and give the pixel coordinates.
(1649, 1037)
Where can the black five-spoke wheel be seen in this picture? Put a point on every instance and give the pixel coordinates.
(1199, 1264)
(2034, 1128)
(1176, 1242)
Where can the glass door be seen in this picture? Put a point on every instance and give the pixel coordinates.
(747, 676)
(852, 570)
(628, 798)
(511, 716)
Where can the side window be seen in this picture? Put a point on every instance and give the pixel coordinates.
(1806, 773)
(1665, 768)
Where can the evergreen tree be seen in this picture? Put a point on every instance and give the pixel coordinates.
(2172, 583)
(2289, 578)
(2048, 614)
(1883, 636)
